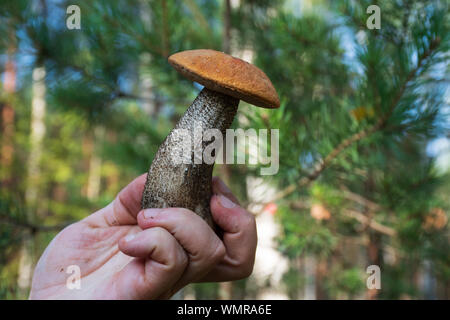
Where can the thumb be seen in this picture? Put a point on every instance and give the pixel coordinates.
(225, 208)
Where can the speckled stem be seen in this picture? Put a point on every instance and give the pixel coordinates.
(171, 184)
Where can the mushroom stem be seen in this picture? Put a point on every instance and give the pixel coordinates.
(172, 182)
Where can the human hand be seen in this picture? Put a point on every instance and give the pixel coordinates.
(210, 259)
(119, 260)
(106, 272)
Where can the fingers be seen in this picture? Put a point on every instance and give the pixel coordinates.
(202, 245)
(210, 259)
(219, 187)
(159, 265)
(239, 235)
(124, 209)
(127, 204)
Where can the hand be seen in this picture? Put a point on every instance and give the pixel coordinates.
(210, 259)
(106, 272)
(119, 260)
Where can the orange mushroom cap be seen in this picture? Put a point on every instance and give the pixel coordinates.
(221, 72)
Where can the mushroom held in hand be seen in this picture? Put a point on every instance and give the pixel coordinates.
(226, 80)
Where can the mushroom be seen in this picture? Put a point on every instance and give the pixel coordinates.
(226, 80)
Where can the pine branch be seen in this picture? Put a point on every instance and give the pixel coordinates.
(372, 206)
(101, 82)
(378, 126)
(313, 43)
(144, 41)
(360, 217)
(31, 226)
(369, 222)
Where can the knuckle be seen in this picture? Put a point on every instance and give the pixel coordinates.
(175, 261)
(159, 234)
(219, 252)
(182, 211)
(175, 256)
(243, 265)
(180, 257)
(182, 260)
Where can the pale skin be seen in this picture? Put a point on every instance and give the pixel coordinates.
(124, 252)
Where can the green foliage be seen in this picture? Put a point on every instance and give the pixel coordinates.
(358, 109)
(346, 284)
(301, 233)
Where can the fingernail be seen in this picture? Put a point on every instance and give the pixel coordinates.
(223, 187)
(151, 213)
(130, 237)
(226, 203)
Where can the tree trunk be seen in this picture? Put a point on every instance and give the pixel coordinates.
(226, 41)
(374, 247)
(375, 258)
(310, 278)
(321, 273)
(148, 102)
(95, 166)
(8, 114)
(37, 133)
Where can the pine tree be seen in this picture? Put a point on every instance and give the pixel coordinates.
(358, 146)
(356, 185)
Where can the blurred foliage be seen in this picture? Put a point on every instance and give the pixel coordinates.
(336, 80)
